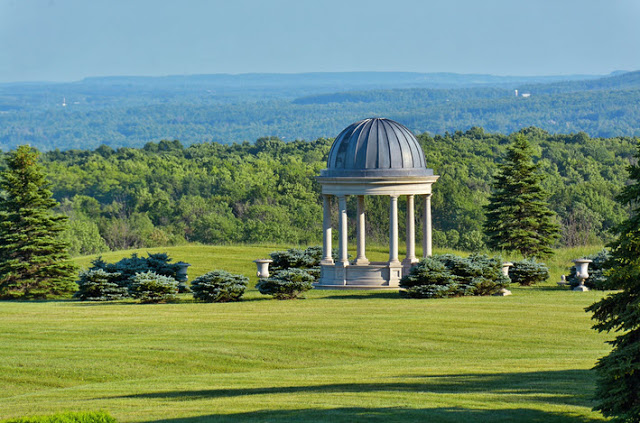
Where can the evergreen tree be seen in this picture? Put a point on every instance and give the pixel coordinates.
(618, 385)
(518, 216)
(33, 258)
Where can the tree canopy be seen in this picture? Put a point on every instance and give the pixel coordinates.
(167, 194)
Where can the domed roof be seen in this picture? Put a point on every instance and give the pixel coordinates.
(376, 147)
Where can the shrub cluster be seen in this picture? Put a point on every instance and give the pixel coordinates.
(219, 286)
(528, 272)
(597, 279)
(149, 279)
(292, 272)
(296, 258)
(99, 285)
(149, 287)
(286, 284)
(84, 417)
(449, 275)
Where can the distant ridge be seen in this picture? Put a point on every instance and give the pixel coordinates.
(343, 80)
(617, 81)
(131, 111)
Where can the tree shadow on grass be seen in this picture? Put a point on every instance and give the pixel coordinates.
(567, 387)
(360, 414)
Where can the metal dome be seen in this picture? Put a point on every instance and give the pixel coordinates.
(376, 147)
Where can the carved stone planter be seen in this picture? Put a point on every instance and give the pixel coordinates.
(582, 273)
(263, 267)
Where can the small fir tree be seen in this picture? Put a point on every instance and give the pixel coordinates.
(33, 258)
(518, 214)
(618, 384)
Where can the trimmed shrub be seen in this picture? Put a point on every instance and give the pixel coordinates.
(528, 272)
(429, 279)
(219, 286)
(129, 267)
(448, 275)
(286, 284)
(596, 279)
(98, 285)
(149, 287)
(85, 417)
(296, 258)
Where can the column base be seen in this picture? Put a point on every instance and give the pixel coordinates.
(326, 261)
(361, 262)
(410, 261)
(395, 273)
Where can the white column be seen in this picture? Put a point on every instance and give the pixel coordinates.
(326, 230)
(426, 227)
(344, 253)
(393, 230)
(361, 258)
(411, 231)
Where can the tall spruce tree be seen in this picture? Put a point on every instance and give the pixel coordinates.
(518, 217)
(618, 384)
(33, 258)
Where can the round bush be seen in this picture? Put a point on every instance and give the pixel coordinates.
(528, 272)
(149, 287)
(448, 275)
(219, 286)
(98, 285)
(296, 258)
(286, 284)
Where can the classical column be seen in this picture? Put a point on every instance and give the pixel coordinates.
(361, 258)
(426, 227)
(344, 253)
(411, 232)
(326, 230)
(393, 230)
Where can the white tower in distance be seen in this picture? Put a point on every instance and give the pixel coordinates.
(64, 102)
(516, 93)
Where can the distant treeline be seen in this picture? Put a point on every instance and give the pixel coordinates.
(166, 194)
(118, 114)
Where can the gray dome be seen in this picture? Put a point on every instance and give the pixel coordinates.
(376, 147)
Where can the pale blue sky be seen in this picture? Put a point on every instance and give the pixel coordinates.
(64, 40)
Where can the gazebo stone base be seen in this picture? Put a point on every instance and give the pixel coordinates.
(375, 275)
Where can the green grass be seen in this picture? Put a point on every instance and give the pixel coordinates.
(335, 356)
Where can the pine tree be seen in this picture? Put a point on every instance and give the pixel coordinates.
(33, 258)
(518, 214)
(618, 385)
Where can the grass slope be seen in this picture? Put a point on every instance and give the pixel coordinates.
(336, 356)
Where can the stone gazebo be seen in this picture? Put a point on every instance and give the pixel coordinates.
(373, 157)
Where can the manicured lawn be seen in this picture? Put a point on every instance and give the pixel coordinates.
(335, 356)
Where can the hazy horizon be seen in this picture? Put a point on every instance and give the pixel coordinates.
(69, 40)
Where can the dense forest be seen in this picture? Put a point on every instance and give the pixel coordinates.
(167, 194)
(129, 112)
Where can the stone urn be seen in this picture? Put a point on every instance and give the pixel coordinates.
(263, 267)
(582, 273)
(505, 271)
(181, 274)
(505, 268)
